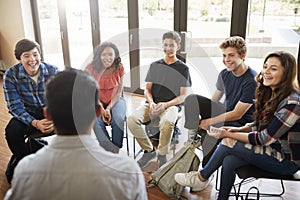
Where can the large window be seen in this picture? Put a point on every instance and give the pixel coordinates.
(69, 30)
(114, 28)
(272, 25)
(49, 28)
(79, 32)
(155, 18)
(207, 25)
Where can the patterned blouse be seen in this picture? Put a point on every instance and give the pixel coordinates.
(281, 138)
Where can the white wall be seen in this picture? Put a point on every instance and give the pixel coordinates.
(12, 26)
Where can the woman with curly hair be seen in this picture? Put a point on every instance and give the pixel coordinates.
(271, 142)
(107, 69)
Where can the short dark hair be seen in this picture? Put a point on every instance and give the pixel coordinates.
(97, 63)
(25, 45)
(172, 35)
(72, 99)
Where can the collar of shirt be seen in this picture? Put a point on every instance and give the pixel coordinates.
(22, 73)
(73, 141)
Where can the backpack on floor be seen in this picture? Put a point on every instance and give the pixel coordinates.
(185, 160)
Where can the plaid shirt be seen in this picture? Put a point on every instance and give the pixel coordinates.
(22, 94)
(283, 133)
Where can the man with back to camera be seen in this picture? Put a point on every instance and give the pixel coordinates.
(73, 165)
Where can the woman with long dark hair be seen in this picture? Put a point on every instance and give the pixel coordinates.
(271, 142)
(107, 69)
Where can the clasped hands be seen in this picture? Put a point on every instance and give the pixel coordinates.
(106, 115)
(222, 132)
(157, 109)
(45, 126)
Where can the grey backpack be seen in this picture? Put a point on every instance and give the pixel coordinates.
(185, 160)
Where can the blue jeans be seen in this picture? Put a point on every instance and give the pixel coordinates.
(118, 114)
(239, 155)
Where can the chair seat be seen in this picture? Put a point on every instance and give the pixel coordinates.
(249, 171)
(39, 134)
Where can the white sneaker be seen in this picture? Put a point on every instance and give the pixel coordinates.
(192, 180)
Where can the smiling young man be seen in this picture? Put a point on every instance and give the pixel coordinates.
(24, 86)
(237, 83)
(167, 84)
(271, 142)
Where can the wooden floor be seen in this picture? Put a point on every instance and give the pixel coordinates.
(154, 193)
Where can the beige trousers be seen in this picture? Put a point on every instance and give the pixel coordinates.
(166, 126)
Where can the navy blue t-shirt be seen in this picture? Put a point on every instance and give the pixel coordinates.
(167, 79)
(241, 88)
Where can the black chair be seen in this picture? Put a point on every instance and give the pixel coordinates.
(33, 142)
(125, 130)
(125, 135)
(249, 171)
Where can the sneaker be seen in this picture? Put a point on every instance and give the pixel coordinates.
(11, 168)
(162, 159)
(147, 156)
(192, 180)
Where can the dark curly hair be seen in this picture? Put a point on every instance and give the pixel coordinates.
(267, 100)
(97, 63)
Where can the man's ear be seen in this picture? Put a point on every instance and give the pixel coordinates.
(178, 47)
(98, 111)
(46, 114)
(243, 56)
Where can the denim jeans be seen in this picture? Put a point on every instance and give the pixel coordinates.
(118, 114)
(239, 155)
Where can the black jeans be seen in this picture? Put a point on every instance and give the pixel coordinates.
(16, 132)
(197, 105)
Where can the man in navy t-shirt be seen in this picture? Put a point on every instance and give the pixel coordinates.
(237, 83)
